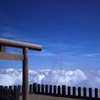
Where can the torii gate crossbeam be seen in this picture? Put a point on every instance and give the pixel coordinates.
(23, 58)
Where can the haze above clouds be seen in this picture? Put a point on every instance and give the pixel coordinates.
(55, 77)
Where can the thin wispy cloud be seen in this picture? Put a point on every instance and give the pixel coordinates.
(62, 46)
(9, 32)
(42, 53)
(16, 34)
(92, 55)
(8, 35)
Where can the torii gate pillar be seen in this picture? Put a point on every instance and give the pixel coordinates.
(25, 74)
(23, 58)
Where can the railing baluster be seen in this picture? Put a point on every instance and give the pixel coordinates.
(96, 93)
(19, 89)
(50, 89)
(54, 89)
(38, 88)
(30, 89)
(34, 87)
(90, 92)
(79, 92)
(11, 92)
(46, 89)
(69, 91)
(84, 92)
(15, 92)
(63, 90)
(6, 95)
(1, 92)
(59, 90)
(74, 91)
(42, 88)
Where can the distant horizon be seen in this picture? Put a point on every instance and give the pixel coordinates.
(71, 78)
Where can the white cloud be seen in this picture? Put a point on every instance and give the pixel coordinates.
(55, 77)
(10, 77)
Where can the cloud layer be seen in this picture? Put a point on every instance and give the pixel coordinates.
(55, 77)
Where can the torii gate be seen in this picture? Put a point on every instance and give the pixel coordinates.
(23, 58)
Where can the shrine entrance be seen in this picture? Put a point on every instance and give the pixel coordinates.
(23, 57)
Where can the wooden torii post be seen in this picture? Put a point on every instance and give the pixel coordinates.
(23, 58)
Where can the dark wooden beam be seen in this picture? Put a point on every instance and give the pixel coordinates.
(11, 56)
(2, 48)
(18, 44)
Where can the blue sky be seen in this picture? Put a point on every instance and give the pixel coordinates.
(68, 30)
